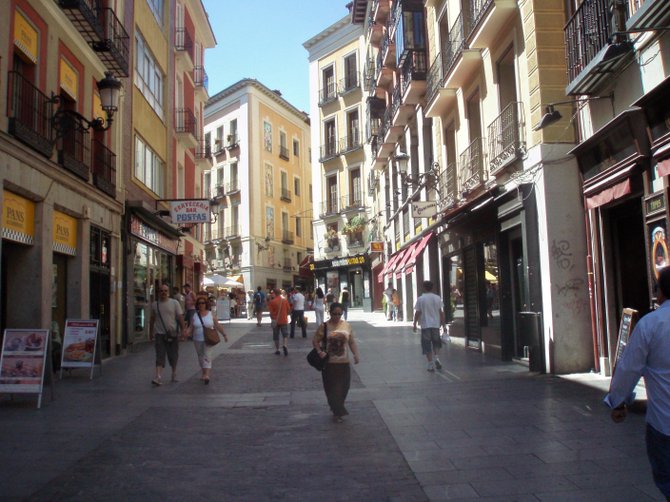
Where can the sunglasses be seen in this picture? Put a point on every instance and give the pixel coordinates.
(336, 313)
(201, 303)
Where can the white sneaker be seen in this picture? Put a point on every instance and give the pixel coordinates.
(438, 364)
(430, 367)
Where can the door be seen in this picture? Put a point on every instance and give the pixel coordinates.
(471, 299)
(99, 298)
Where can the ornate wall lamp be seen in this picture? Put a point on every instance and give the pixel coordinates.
(428, 177)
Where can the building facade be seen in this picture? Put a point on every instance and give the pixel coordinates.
(166, 153)
(261, 179)
(346, 214)
(60, 164)
(618, 82)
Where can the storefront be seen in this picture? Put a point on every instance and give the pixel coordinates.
(351, 272)
(151, 260)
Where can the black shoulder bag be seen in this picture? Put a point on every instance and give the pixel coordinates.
(313, 358)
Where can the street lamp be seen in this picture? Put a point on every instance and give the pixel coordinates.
(432, 174)
(552, 115)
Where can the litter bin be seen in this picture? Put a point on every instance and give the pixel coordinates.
(529, 336)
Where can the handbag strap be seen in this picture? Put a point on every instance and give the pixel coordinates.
(158, 309)
(324, 342)
(201, 322)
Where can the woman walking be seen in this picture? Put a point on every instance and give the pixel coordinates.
(204, 317)
(337, 373)
(319, 306)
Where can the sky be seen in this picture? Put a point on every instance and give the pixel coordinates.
(263, 39)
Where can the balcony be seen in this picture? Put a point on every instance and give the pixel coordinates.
(592, 59)
(460, 62)
(349, 84)
(329, 207)
(472, 167)
(505, 138)
(232, 187)
(74, 144)
(350, 143)
(186, 127)
(104, 168)
(438, 99)
(352, 203)
(402, 112)
(285, 194)
(383, 74)
(489, 17)
(328, 151)
(203, 154)
(413, 76)
(287, 267)
(218, 147)
(388, 49)
(219, 191)
(355, 240)
(380, 11)
(287, 237)
(200, 79)
(448, 186)
(232, 232)
(328, 94)
(232, 141)
(283, 152)
(183, 42)
(102, 30)
(375, 30)
(647, 14)
(30, 112)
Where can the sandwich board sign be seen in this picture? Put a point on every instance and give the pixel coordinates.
(23, 362)
(80, 345)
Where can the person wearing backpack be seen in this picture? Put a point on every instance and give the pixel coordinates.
(259, 301)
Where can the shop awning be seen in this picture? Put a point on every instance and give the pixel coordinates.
(393, 262)
(418, 249)
(401, 263)
(609, 194)
(388, 264)
(306, 261)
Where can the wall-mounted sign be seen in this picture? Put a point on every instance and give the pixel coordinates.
(339, 262)
(25, 37)
(424, 208)
(69, 80)
(18, 218)
(377, 246)
(151, 235)
(190, 211)
(64, 234)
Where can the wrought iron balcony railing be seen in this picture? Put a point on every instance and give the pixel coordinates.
(328, 151)
(232, 231)
(183, 40)
(233, 141)
(351, 142)
(204, 150)
(114, 48)
(455, 43)
(285, 194)
(329, 207)
(74, 145)
(349, 83)
(184, 122)
(232, 187)
(30, 112)
(448, 184)
(200, 78)
(104, 168)
(283, 152)
(471, 163)
(414, 68)
(327, 94)
(505, 138)
(477, 10)
(287, 237)
(352, 202)
(434, 78)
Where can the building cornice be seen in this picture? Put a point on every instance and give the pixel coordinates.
(327, 32)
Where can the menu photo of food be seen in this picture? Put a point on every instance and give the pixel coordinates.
(24, 341)
(79, 350)
(21, 369)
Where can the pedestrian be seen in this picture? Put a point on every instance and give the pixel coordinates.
(204, 317)
(330, 298)
(298, 312)
(648, 354)
(279, 308)
(166, 317)
(176, 294)
(259, 301)
(345, 300)
(250, 305)
(189, 302)
(429, 313)
(388, 296)
(336, 375)
(395, 305)
(319, 305)
(233, 304)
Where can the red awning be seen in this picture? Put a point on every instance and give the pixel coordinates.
(389, 263)
(663, 167)
(408, 254)
(306, 261)
(608, 195)
(393, 262)
(418, 249)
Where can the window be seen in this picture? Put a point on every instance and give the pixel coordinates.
(149, 168)
(296, 148)
(330, 138)
(328, 84)
(355, 196)
(219, 139)
(148, 76)
(350, 73)
(298, 227)
(208, 140)
(296, 186)
(353, 130)
(310, 193)
(283, 148)
(156, 7)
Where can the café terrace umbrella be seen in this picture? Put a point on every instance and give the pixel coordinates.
(230, 282)
(214, 280)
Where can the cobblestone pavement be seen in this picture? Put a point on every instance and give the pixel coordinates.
(478, 430)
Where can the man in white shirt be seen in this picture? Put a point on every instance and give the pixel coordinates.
(388, 294)
(428, 311)
(298, 312)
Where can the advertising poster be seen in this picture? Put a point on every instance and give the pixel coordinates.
(79, 344)
(223, 309)
(23, 360)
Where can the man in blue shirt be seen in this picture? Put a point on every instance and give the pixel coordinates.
(259, 301)
(648, 355)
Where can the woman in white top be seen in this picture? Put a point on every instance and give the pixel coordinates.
(204, 316)
(319, 306)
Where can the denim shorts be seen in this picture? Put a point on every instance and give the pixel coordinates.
(430, 340)
(658, 451)
(277, 328)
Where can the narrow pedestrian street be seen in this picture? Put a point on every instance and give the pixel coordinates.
(477, 430)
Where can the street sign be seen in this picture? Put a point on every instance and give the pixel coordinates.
(424, 208)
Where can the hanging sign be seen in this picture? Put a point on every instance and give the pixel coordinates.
(64, 233)
(18, 218)
(190, 211)
(377, 246)
(79, 344)
(424, 208)
(23, 361)
(25, 37)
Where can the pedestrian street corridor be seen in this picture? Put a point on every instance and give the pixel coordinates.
(479, 429)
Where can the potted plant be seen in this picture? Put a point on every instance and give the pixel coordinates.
(354, 225)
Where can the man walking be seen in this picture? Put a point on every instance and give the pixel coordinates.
(166, 313)
(259, 301)
(388, 294)
(279, 307)
(648, 354)
(428, 311)
(298, 313)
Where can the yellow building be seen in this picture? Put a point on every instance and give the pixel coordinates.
(262, 180)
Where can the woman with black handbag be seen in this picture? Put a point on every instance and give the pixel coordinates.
(336, 374)
(202, 320)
